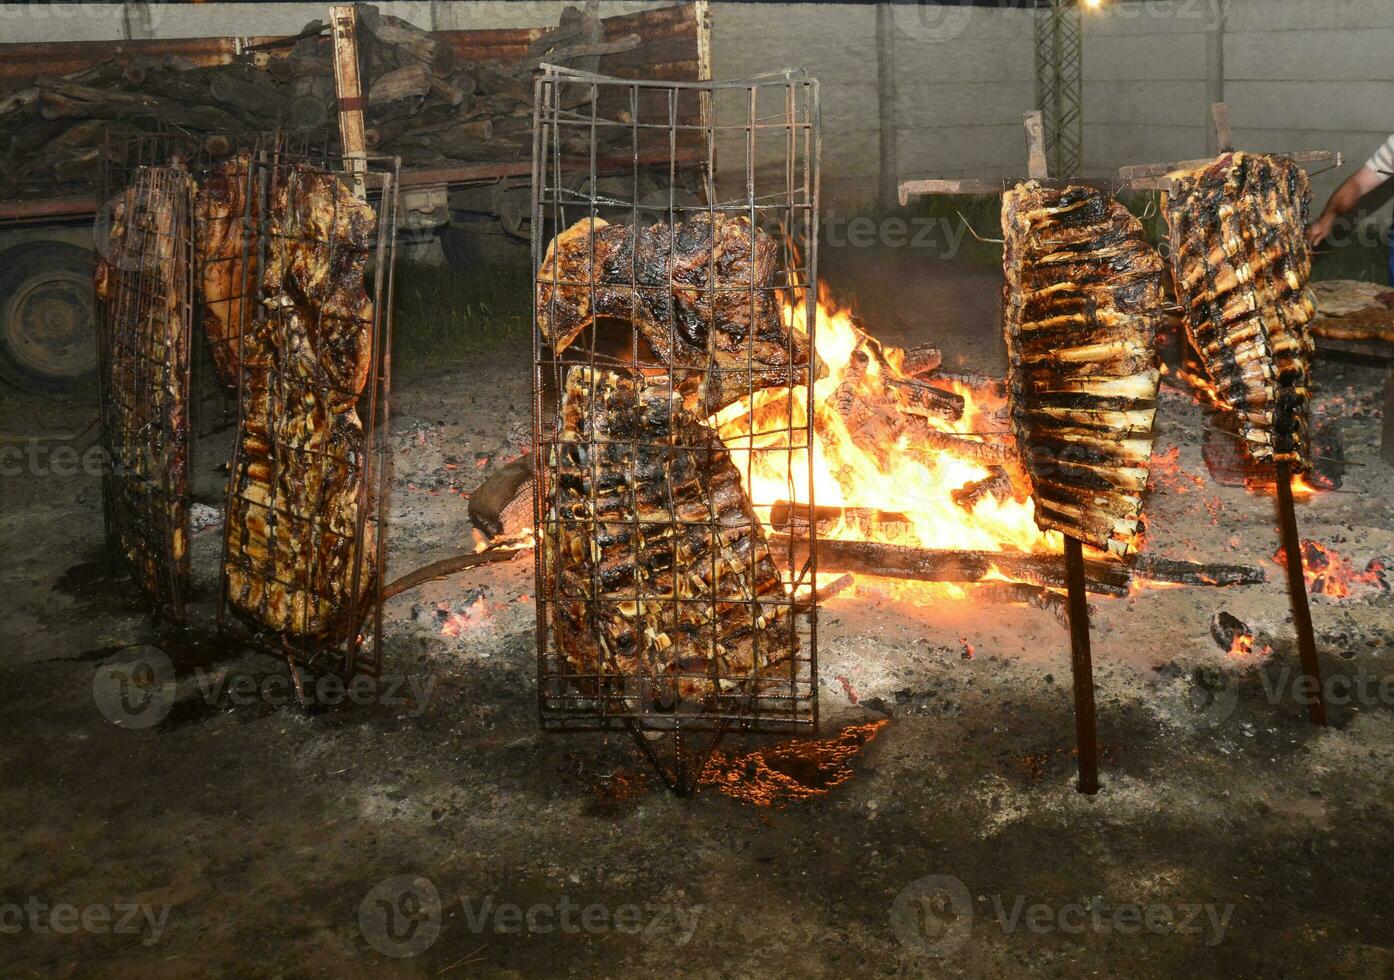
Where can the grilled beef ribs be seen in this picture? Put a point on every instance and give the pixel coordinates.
(296, 506)
(1082, 309)
(660, 574)
(702, 292)
(144, 284)
(227, 257)
(1241, 265)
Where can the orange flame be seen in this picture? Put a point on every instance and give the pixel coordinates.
(776, 466)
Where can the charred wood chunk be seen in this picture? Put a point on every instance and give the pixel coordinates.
(1082, 309)
(874, 558)
(1241, 268)
(656, 567)
(704, 293)
(503, 503)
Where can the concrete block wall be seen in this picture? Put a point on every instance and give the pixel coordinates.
(1297, 73)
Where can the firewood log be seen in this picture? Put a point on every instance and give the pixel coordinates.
(929, 565)
(411, 81)
(920, 360)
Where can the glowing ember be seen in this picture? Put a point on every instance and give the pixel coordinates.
(1330, 574)
(796, 770)
(472, 617)
(903, 476)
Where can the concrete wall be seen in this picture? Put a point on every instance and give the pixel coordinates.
(1297, 73)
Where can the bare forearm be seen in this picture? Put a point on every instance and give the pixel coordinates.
(1348, 195)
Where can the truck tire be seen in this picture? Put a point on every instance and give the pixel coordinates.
(48, 316)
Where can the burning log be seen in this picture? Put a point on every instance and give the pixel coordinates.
(1022, 593)
(1161, 569)
(997, 484)
(984, 384)
(930, 565)
(920, 360)
(803, 600)
(987, 453)
(798, 519)
(503, 503)
(919, 398)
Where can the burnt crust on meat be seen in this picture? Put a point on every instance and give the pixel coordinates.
(1241, 267)
(227, 217)
(143, 280)
(704, 293)
(1082, 307)
(297, 491)
(661, 578)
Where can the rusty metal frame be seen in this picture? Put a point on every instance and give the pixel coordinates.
(340, 647)
(779, 196)
(145, 325)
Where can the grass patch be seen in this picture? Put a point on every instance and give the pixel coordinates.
(443, 315)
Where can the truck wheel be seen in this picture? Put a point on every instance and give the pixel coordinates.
(48, 316)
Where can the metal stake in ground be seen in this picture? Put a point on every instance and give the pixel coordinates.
(1082, 667)
(1297, 590)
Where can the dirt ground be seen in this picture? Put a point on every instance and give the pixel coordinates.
(434, 831)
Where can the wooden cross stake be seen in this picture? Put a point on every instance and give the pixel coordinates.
(348, 87)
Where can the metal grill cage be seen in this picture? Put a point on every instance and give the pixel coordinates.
(304, 533)
(145, 294)
(660, 606)
(225, 240)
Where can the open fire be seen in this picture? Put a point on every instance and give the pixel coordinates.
(887, 472)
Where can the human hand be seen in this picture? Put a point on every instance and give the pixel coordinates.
(1319, 229)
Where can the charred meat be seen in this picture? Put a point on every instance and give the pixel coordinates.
(660, 574)
(145, 288)
(227, 220)
(702, 292)
(1241, 265)
(1082, 308)
(296, 516)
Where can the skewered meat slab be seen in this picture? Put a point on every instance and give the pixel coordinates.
(227, 262)
(143, 281)
(1241, 265)
(702, 293)
(295, 513)
(1082, 297)
(660, 569)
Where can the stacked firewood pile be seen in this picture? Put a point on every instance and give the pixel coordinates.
(424, 102)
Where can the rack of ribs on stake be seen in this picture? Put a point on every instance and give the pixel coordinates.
(1240, 267)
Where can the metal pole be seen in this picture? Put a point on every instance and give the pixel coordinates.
(1081, 665)
(1297, 590)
